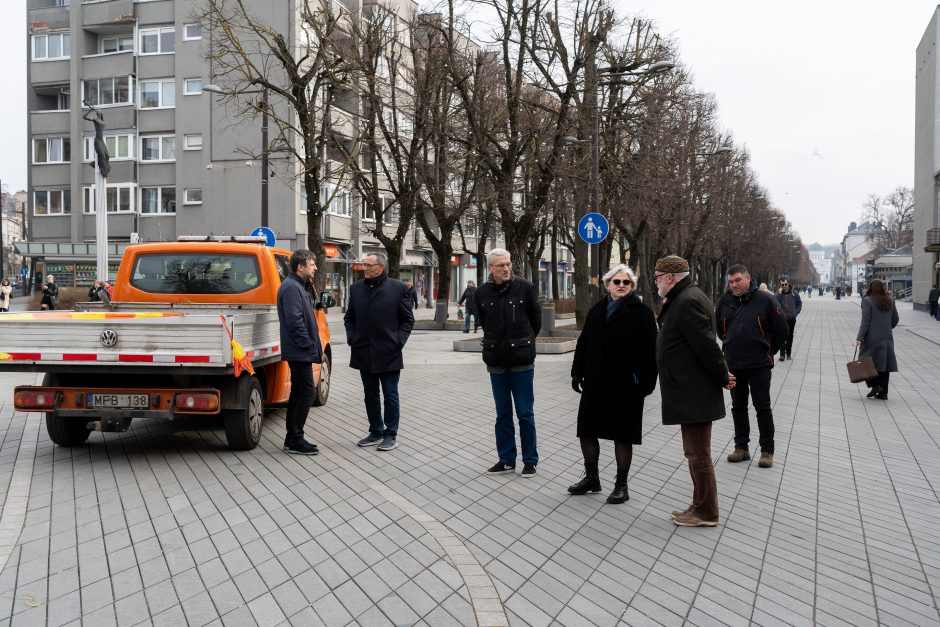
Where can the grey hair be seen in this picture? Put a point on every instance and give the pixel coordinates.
(680, 275)
(496, 252)
(380, 259)
(615, 270)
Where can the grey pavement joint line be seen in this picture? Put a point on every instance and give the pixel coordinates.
(17, 497)
(479, 585)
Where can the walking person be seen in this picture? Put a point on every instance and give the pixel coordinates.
(470, 309)
(933, 298)
(875, 336)
(6, 295)
(614, 370)
(50, 294)
(752, 329)
(300, 347)
(509, 312)
(791, 305)
(378, 320)
(413, 295)
(692, 372)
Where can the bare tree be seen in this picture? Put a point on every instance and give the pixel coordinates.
(891, 218)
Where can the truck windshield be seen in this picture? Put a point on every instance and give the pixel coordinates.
(195, 273)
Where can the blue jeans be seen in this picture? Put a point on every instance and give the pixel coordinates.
(466, 322)
(509, 387)
(389, 383)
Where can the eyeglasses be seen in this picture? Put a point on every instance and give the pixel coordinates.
(657, 277)
(619, 281)
(502, 265)
(370, 265)
(784, 284)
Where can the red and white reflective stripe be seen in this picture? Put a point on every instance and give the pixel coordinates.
(158, 358)
(261, 352)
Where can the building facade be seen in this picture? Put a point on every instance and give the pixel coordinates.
(926, 248)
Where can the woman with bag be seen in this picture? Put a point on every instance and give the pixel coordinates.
(875, 338)
(614, 369)
(50, 294)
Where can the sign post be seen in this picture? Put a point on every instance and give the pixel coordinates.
(266, 233)
(593, 229)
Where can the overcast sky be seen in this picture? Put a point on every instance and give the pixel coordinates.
(821, 93)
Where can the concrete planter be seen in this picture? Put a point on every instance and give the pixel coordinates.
(543, 345)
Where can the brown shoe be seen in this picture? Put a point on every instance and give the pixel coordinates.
(683, 512)
(691, 520)
(766, 460)
(739, 455)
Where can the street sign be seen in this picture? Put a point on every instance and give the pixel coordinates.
(24, 271)
(266, 233)
(593, 228)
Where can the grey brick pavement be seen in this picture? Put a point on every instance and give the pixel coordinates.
(163, 525)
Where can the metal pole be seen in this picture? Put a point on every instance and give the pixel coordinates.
(595, 173)
(264, 157)
(101, 225)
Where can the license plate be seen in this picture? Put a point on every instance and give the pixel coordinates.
(118, 401)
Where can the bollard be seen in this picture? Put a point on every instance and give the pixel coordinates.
(548, 318)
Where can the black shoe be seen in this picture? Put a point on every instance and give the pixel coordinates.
(370, 440)
(783, 357)
(389, 442)
(501, 468)
(590, 483)
(790, 356)
(882, 396)
(466, 330)
(301, 448)
(874, 392)
(620, 493)
(528, 471)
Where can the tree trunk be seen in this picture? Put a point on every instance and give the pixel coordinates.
(553, 264)
(582, 270)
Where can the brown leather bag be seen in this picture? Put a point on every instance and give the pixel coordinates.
(861, 369)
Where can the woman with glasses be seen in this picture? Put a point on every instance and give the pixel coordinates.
(614, 369)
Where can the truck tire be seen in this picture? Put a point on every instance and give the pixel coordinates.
(323, 386)
(64, 431)
(243, 425)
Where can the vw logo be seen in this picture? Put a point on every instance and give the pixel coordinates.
(108, 337)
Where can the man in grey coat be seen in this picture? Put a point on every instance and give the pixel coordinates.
(692, 371)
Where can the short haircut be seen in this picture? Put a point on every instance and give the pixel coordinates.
(738, 268)
(496, 252)
(618, 269)
(380, 259)
(300, 257)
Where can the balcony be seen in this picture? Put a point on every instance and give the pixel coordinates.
(933, 241)
(110, 64)
(49, 72)
(49, 16)
(49, 122)
(105, 15)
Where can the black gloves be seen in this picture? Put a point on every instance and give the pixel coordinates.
(576, 384)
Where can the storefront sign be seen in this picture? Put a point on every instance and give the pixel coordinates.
(331, 250)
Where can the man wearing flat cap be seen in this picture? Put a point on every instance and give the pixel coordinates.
(692, 372)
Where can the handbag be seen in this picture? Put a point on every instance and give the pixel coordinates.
(861, 369)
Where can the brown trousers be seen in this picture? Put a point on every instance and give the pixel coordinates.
(697, 446)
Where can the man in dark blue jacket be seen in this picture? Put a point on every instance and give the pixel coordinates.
(791, 304)
(378, 322)
(300, 347)
(752, 328)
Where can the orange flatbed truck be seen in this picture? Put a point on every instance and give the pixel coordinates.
(184, 321)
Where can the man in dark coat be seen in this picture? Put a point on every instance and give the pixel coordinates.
(692, 371)
(509, 312)
(378, 321)
(791, 305)
(933, 298)
(752, 328)
(300, 347)
(471, 310)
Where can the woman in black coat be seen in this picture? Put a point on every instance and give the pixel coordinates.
(614, 369)
(876, 338)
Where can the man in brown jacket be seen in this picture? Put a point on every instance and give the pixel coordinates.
(692, 371)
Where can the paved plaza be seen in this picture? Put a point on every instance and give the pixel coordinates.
(164, 525)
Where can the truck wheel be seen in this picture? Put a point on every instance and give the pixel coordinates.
(323, 387)
(243, 425)
(64, 431)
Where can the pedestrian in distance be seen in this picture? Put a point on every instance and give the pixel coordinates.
(6, 294)
(875, 336)
(378, 320)
(93, 295)
(791, 305)
(692, 372)
(509, 312)
(300, 347)
(614, 370)
(470, 307)
(414, 296)
(752, 329)
(933, 298)
(50, 294)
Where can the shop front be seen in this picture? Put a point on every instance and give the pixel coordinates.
(337, 271)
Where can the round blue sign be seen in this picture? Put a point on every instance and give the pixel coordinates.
(593, 228)
(266, 233)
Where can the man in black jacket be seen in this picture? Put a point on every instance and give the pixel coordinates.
(378, 322)
(791, 305)
(300, 347)
(508, 310)
(752, 328)
(933, 298)
(467, 297)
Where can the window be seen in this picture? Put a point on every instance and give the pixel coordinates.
(368, 215)
(51, 46)
(107, 91)
(52, 202)
(192, 196)
(192, 142)
(157, 40)
(157, 200)
(192, 86)
(52, 150)
(118, 43)
(119, 198)
(195, 273)
(119, 147)
(192, 32)
(339, 204)
(158, 148)
(389, 215)
(157, 94)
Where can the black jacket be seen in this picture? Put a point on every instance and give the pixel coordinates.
(469, 296)
(378, 321)
(692, 369)
(751, 327)
(934, 295)
(511, 318)
(50, 295)
(300, 338)
(790, 304)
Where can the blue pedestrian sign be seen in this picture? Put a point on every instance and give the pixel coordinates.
(593, 228)
(24, 271)
(266, 233)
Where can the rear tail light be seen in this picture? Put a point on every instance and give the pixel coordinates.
(27, 399)
(196, 402)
